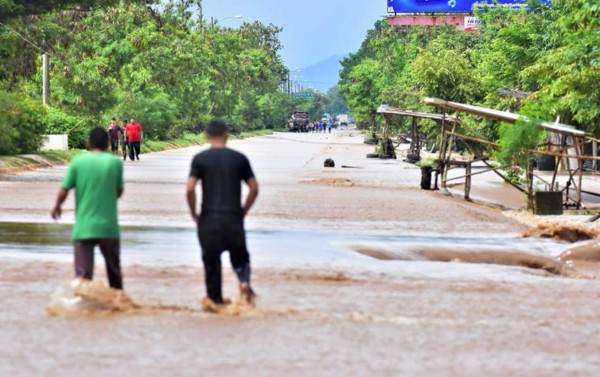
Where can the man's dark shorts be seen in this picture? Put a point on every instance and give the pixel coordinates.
(221, 232)
(114, 145)
(84, 260)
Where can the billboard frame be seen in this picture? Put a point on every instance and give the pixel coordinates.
(448, 7)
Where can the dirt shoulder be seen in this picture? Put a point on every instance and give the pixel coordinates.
(14, 164)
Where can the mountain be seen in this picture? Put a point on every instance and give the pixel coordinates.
(322, 75)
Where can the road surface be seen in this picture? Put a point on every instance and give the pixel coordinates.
(323, 308)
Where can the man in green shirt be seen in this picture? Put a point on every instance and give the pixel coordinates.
(97, 178)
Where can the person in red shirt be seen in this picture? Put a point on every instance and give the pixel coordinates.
(134, 136)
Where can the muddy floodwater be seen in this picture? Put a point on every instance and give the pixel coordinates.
(285, 248)
(358, 273)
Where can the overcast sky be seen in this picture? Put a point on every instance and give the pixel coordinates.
(313, 30)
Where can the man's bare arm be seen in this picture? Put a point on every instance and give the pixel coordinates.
(60, 199)
(251, 198)
(191, 197)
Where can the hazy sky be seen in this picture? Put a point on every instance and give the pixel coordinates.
(313, 30)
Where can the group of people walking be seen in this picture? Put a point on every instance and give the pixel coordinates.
(320, 127)
(129, 135)
(97, 179)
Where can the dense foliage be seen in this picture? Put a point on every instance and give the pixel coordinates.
(155, 60)
(551, 53)
(21, 124)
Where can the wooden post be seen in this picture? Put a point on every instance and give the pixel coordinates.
(414, 143)
(579, 148)
(529, 175)
(559, 161)
(46, 80)
(468, 180)
(449, 154)
(442, 154)
(594, 154)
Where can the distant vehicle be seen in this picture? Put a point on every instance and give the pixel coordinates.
(298, 122)
(343, 124)
(342, 118)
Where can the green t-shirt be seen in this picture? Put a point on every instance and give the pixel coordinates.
(96, 178)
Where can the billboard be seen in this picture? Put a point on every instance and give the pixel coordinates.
(472, 23)
(445, 6)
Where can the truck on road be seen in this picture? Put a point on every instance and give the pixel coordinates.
(298, 122)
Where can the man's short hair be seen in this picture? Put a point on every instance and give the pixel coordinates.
(98, 138)
(113, 118)
(217, 128)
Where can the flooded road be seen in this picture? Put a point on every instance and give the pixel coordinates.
(326, 305)
(270, 248)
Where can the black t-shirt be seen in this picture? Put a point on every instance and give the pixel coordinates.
(221, 171)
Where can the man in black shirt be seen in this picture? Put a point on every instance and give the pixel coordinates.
(221, 222)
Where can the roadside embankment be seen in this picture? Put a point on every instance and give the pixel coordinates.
(10, 164)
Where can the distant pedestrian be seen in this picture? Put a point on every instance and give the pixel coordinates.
(124, 142)
(221, 223)
(134, 137)
(329, 125)
(97, 178)
(320, 127)
(115, 133)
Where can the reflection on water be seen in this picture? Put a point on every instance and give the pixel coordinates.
(179, 245)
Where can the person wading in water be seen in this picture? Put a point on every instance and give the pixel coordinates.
(97, 179)
(221, 222)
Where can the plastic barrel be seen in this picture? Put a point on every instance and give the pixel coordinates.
(548, 203)
(546, 163)
(426, 177)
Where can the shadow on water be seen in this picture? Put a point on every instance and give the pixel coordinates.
(180, 245)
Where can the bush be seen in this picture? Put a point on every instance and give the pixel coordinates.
(58, 122)
(428, 162)
(153, 109)
(21, 124)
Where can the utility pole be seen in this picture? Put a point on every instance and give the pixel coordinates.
(46, 80)
(289, 91)
(201, 11)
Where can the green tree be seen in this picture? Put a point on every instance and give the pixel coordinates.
(337, 102)
(568, 73)
(21, 124)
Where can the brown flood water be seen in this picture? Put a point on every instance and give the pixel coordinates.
(582, 261)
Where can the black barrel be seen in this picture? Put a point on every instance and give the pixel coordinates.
(548, 203)
(426, 177)
(546, 163)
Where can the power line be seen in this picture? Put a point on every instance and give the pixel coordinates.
(65, 62)
(25, 39)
